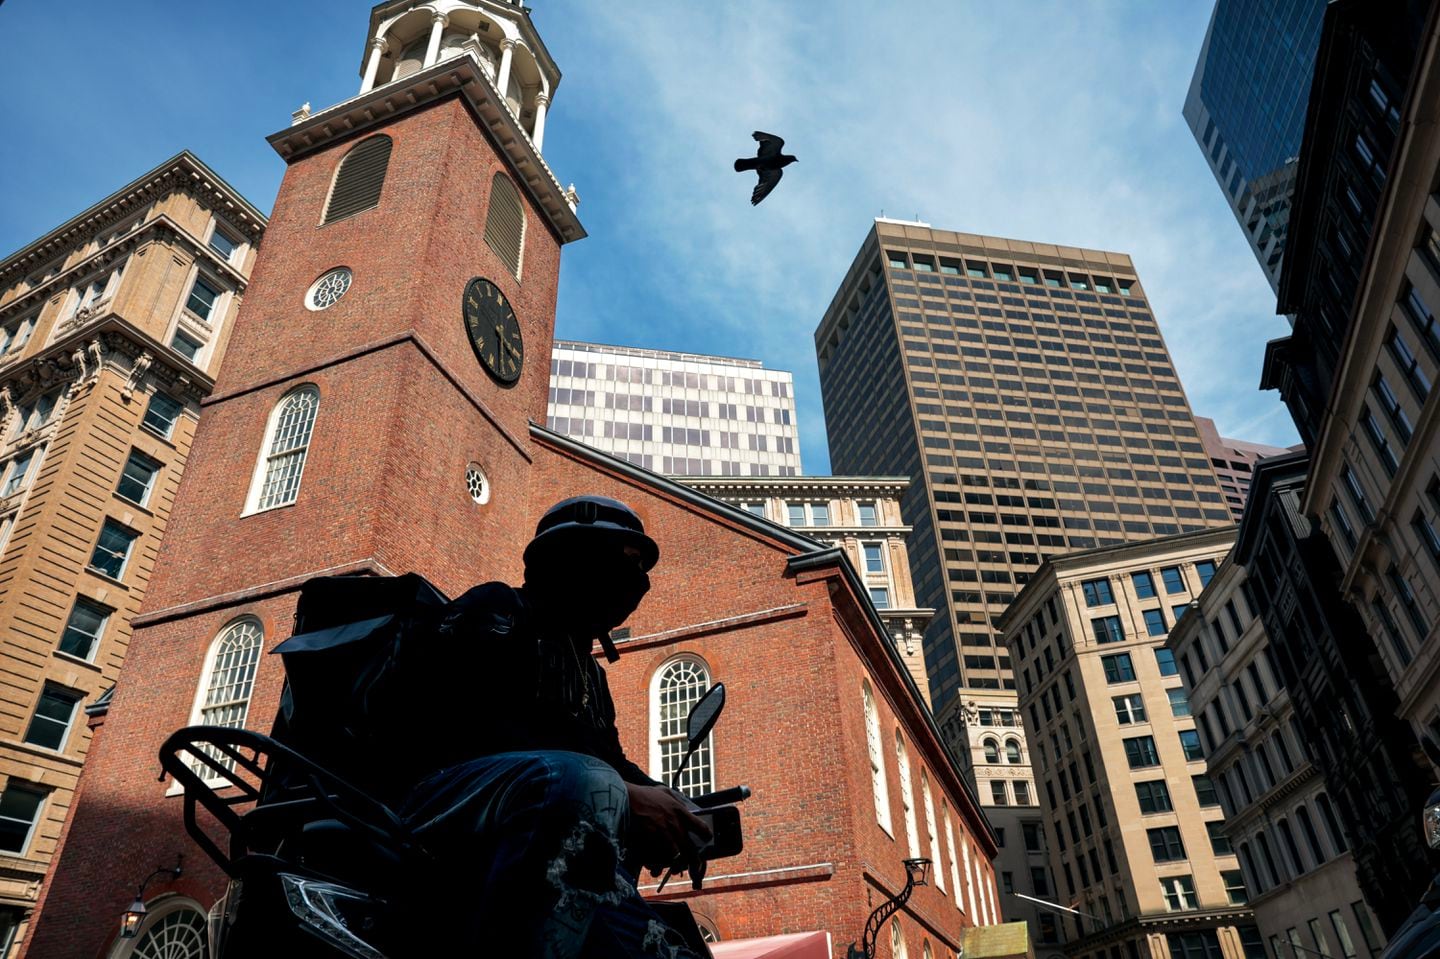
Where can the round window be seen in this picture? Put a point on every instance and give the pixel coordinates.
(477, 485)
(329, 288)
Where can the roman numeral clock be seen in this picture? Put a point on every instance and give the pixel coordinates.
(494, 331)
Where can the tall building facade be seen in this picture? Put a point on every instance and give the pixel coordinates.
(1028, 390)
(1234, 460)
(112, 328)
(1246, 108)
(859, 514)
(1279, 817)
(1136, 829)
(1358, 371)
(403, 211)
(682, 414)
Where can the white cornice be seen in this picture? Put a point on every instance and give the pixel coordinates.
(460, 75)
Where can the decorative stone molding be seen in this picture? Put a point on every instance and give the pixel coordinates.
(137, 373)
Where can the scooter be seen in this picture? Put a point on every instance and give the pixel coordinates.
(321, 869)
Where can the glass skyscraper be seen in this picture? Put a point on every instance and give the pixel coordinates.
(1246, 108)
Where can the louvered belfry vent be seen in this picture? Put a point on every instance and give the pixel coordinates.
(359, 180)
(505, 223)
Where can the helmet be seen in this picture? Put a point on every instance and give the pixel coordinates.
(583, 521)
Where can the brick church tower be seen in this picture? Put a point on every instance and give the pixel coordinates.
(377, 413)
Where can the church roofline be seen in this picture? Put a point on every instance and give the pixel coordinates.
(462, 75)
(181, 168)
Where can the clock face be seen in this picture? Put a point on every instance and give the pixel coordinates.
(494, 331)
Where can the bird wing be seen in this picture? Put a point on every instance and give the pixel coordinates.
(768, 179)
(770, 144)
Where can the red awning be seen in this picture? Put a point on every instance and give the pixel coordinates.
(800, 945)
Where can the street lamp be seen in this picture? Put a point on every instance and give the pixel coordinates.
(132, 918)
(915, 872)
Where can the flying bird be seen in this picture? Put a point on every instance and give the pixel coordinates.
(767, 162)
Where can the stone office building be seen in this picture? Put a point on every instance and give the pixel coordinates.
(1136, 829)
(112, 328)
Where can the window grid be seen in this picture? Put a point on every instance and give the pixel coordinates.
(137, 478)
(285, 460)
(50, 723)
(232, 676)
(83, 629)
(19, 809)
(681, 685)
(112, 549)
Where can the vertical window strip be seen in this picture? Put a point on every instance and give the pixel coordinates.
(877, 760)
(907, 798)
(681, 685)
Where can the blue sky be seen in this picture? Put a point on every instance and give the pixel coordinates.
(1056, 122)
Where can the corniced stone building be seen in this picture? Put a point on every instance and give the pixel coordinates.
(859, 514)
(1246, 108)
(1344, 723)
(1233, 460)
(1137, 836)
(1368, 400)
(1028, 389)
(683, 414)
(1279, 818)
(112, 327)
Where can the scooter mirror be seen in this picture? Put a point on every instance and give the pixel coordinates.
(704, 715)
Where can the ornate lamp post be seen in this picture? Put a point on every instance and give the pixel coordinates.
(915, 872)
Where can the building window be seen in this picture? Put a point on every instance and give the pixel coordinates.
(867, 514)
(1423, 319)
(1378, 440)
(1144, 585)
(19, 811)
(50, 723)
(505, 223)
(820, 514)
(1390, 403)
(1118, 668)
(161, 414)
(1165, 659)
(1179, 893)
(896, 260)
(1033, 836)
(224, 244)
(1410, 369)
(1129, 709)
(1012, 750)
(1179, 702)
(880, 597)
(83, 629)
(1165, 844)
(1190, 744)
(36, 413)
(1219, 842)
(1107, 629)
(1342, 933)
(1401, 587)
(877, 760)
(678, 687)
(1140, 752)
(176, 932)
(287, 442)
(1391, 629)
(932, 829)
(17, 475)
(1155, 622)
(796, 513)
(1022, 792)
(1154, 796)
(998, 795)
(112, 549)
(874, 558)
(201, 300)
(138, 478)
(754, 509)
(228, 680)
(1425, 532)
(1205, 790)
(1205, 569)
(1234, 881)
(1097, 592)
(359, 179)
(907, 797)
(992, 750)
(954, 865)
(1366, 920)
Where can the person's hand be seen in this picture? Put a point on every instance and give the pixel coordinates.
(663, 828)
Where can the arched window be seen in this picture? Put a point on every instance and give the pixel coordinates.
(907, 797)
(992, 751)
(969, 875)
(230, 674)
(1012, 750)
(679, 684)
(877, 760)
(932, 829)
(173, 929)
(282, 459)
(954, 867)
(358, 179)
(505, 223)
(897, 941)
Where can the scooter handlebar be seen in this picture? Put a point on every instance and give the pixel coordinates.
(721, 797)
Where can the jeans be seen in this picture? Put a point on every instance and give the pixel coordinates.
(530, 846)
